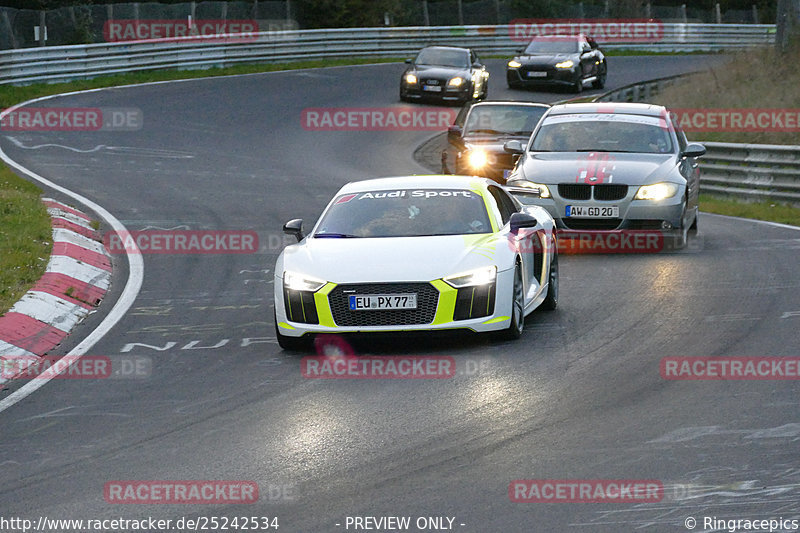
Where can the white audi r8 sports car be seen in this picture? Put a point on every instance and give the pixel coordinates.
(416, 253)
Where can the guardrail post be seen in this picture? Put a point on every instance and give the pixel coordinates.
(755, 14)
(683, 14)
(460, 13)
(647, 11)
(136, 12)
(425, 15)
(42, 27)
(717, 13)
(10, 29)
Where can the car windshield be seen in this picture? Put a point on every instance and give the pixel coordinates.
(405, 213)
(443, 57)
(552, 46)
(503, 120)
(603, 132)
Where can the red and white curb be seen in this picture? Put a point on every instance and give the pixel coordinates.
(76, 279)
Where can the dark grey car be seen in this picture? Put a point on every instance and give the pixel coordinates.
(444, 74)
(478, 135)
(611, 167)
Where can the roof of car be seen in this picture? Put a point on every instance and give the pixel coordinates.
(508, 102)
(436, 181)
(438, 47)
(611, 108)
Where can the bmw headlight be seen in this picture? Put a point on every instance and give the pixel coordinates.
(657, 191)
(472, 278)
(565, 64)
(300, 282)
(455, 82)
(514, 64)
(411, 78)
(544, 192)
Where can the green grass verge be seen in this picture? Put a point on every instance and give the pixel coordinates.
(769, 211)
(25, 237)
(756, 79)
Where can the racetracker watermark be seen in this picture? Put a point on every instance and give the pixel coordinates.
(730, 368)
(602, 30)
(181, 242)
(75, 367)
(592, 242)
(585, 491)
(378, 367)
(781, 120)
(376, 119)
(71, 119)
(200, 492)
(197, 29)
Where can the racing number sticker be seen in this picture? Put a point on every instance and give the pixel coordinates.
(597, 170)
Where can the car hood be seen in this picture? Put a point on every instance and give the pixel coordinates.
(393, 258)
(544, 59)
(435, 71)
(620, 168)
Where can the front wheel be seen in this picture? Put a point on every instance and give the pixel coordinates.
(514, 330)
(600, 82)
(551, 301)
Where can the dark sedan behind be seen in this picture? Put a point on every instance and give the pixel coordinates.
(444, 74)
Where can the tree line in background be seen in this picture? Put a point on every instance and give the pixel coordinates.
(359, 13)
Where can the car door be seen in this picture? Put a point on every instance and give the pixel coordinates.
(588, 58)
(478, 71)
(529, 246)
(689, 169)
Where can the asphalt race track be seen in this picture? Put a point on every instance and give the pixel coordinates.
(580, 396)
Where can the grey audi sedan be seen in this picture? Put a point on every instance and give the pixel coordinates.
(602, 167)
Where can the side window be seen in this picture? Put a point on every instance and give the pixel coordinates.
(504, 203)
(682, 142)
(473, 57)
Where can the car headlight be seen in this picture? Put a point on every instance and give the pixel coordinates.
(411, 78)
(657, 191)
(565, 64)
(477, 158)
(455, 82)
(300, 282)
(544, 192)
(479, 276)
(514, 64)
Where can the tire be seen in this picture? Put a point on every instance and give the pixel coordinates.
(578, 85)
(693, 227)
(514, 330)
(291, 344)
(682, 237)
(550, 303)
(600, 82)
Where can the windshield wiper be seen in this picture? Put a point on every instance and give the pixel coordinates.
(336, 235)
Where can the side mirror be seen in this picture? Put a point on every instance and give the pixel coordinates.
(519, 221)
(409, 61)
(693, 150)
(513, 147)
(294, 227)
(454, 132)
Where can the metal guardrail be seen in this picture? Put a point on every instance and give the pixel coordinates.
(742, 171)
(752, 171)
(65, 63)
